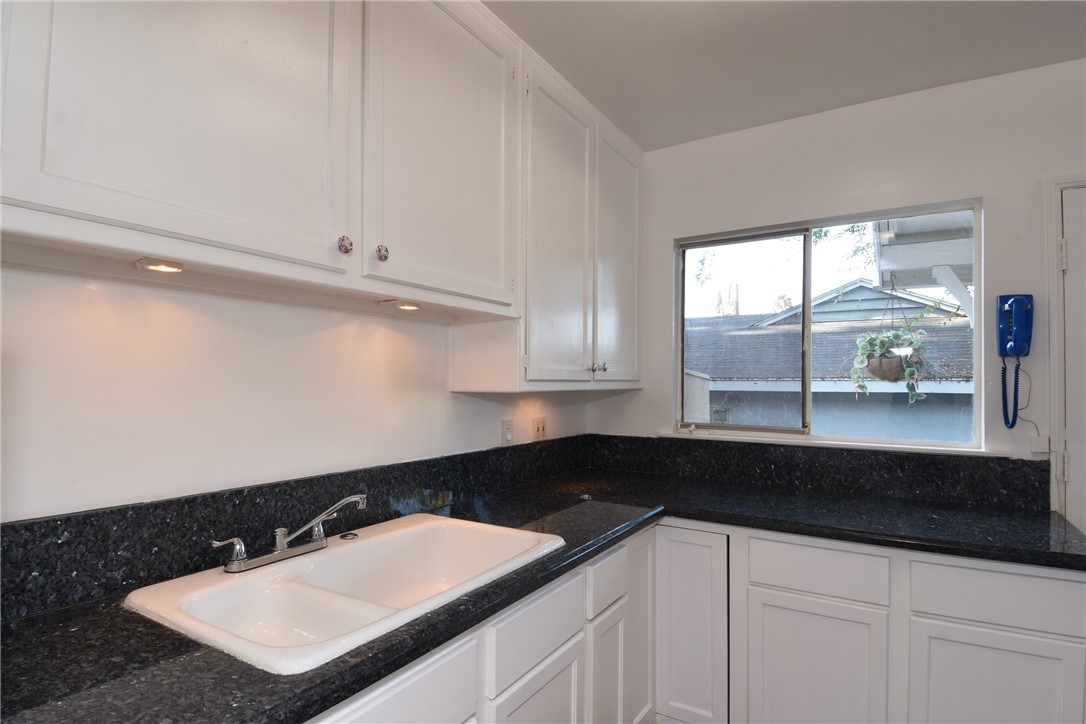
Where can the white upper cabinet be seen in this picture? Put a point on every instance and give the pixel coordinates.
(618, 188)
(330, 151)
(582, 228)
(441, 138)
(561, 195)
(221, 124)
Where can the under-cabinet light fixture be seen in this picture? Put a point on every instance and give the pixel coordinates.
(406, 306)
(159, 265)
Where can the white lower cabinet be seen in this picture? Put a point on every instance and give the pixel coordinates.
(619, 632)
(821, 631)
(817, 632)
(991, 643)
(437, 688)
(813, 660)
(638, 684)
(964, 673)
(584, 638)
(692, 625)
(838, 632)
(606, 643)
(553, 691)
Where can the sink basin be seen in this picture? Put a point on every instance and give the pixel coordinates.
(291, 616)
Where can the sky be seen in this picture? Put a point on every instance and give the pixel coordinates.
(763, 270)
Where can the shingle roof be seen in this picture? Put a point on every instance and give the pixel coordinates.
(732, 348)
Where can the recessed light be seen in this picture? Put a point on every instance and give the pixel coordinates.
(159, 265)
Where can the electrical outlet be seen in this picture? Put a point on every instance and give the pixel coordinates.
(507, 431)
(539, 428)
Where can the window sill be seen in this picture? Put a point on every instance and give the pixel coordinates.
(837, 442)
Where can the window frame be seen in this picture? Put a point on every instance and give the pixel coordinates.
(803, 435)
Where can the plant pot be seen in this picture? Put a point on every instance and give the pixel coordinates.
(891, 369)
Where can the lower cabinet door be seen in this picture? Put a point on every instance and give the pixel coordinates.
(438, 688)
(607, 637)
(638, 653)
(691, 625)
(815, 660)
(969, 674)
(553, 691)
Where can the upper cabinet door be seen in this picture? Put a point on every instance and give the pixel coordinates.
(224, 124)
(441, 126)
(558, 305)
(617, 245)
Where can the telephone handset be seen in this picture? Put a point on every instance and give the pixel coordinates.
(1014, 331)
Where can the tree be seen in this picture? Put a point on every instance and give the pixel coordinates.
(862, 249)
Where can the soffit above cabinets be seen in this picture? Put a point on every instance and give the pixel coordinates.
(670, 71)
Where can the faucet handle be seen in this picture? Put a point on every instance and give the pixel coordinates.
(238, 552)
(317, 531)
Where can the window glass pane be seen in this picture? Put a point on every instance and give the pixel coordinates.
(743, 333)
(891, 329)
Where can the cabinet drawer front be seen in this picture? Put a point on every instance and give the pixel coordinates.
(608, 579)
(524, 636)
(842, 574)
(1037, 603)
(439, 688)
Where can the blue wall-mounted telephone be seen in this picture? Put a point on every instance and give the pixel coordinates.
(1014, 332)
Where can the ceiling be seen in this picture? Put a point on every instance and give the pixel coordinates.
(672, 71)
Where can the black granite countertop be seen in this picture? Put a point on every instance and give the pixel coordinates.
(97, 661)
(1041, 538)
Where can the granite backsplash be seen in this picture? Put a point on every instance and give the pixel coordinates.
(62, 560)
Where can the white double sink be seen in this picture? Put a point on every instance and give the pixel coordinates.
(294, 615)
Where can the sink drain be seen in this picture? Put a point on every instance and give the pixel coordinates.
(348, 536)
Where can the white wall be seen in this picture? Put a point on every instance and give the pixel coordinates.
(115, 393)
(997, 139)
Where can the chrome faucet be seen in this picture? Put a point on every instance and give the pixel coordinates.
(239, 560)
(316, 526)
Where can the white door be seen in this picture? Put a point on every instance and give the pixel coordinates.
(617, 229)
(815, 660)
(691, 625)
(968, 674)
(223, 124)
(607, 636)
(1073, 204)
(638, 667)
(553, 691)
(558, 307)
(441, 135)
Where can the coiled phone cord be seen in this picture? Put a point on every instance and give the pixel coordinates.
(1011, 420)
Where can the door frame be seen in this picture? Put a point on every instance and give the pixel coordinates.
(1057, 398)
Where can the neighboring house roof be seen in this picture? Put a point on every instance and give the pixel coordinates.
(859, 299)
(743, 347)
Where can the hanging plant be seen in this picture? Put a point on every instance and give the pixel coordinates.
(891, 356)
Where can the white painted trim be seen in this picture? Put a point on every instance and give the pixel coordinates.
(1057, 400)
(850, 443)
